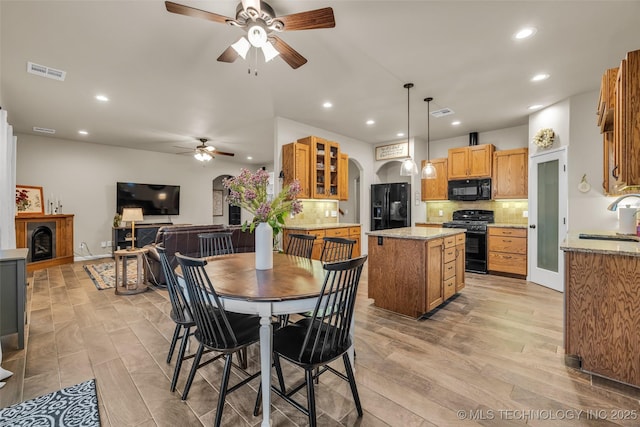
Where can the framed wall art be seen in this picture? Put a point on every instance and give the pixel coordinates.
(29, 201)
(217, 203)
(392, 151)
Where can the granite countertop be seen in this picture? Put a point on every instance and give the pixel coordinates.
(417, 233)
(503, 225)
(573, 243)
(320, 226)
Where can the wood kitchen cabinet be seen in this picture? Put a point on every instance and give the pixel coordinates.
(510, 174)
(323, 167)
(474, 161)
(434, 267)
(607, 100)
(295, 165)
(343, 177)
(436, 189)
(622, 148)
(460, 262)
(507, 250)
(347, 232)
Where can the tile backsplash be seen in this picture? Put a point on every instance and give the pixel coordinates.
(506, 211)
(315, 212)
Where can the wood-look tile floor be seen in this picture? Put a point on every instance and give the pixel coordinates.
(491, 356)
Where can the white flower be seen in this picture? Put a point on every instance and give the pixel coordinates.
(544, 138)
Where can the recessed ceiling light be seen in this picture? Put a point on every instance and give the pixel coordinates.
(400, 134)
(539, 77)
(249, 158)
(371, 122)
(455, 123)
(83, 132)
(534, 106)
(327, 105)
(102, 98)
(525, 32)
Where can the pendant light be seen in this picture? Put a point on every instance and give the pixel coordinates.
(429, 171)
(408, 167)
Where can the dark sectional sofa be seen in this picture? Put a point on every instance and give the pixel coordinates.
(184, 239)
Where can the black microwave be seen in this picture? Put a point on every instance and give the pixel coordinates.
(470, 189)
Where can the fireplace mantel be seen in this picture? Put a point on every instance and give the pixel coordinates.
(63, 239)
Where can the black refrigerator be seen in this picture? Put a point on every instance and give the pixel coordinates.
(390, 205)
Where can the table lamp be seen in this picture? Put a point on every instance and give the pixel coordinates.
(133, 215)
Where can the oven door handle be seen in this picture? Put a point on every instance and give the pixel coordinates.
(477, 233)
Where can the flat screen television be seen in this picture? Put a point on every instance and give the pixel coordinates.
(154, 199)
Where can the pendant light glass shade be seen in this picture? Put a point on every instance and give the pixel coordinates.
(429, 171)
(409, 166)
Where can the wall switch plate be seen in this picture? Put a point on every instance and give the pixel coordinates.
(525, 214)
(326, 214)
(379, 240)
(334, 214)
(440, 213)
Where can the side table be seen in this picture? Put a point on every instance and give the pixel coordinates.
(123, 287)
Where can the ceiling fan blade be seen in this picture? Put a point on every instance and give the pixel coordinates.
(290, 55)
(229, 55)
(319, 18)
(195, 13)
(222, 153)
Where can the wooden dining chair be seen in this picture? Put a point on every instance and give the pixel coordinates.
(216, 329)
(336, 249)
(218, 243)
(180, 314)
(300, 245)
(315, 342)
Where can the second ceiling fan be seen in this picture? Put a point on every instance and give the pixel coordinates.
(260, 22)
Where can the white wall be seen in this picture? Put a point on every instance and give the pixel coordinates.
(361, 153)
(84, 175)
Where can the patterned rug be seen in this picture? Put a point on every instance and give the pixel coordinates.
(104, 274)
(72, 406)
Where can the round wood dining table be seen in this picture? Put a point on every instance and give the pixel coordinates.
(293, 285)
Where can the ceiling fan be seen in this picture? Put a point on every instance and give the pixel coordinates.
(259, 20)
(204, 152)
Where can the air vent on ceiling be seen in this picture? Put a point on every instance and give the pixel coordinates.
(43, 130)
(442, 112)
(43, 71)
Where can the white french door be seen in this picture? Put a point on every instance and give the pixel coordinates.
(548, 212)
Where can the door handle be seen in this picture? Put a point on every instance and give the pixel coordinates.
(532, 226)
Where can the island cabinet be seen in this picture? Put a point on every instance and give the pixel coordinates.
(436, 189)
(602, 308)
(473, 161)
(415, 271)
(511, 174)
(295, 165)
(13, 284)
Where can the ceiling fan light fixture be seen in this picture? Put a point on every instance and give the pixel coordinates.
(269, 51)
(241, 47)
(203, 157)
(257, 35)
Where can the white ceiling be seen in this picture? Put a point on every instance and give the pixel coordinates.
(166, 88)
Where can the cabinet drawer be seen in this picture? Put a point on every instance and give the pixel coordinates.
(449, 254)
(449, 241)
(508, 263)
(511, 245)
(449, 287)
(507, 232)
(318, 233)
(337, 232)
(460, 238)
(354, 231)
(449, 270)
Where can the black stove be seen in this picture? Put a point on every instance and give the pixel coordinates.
(475, 222)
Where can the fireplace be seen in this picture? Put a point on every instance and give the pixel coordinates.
(49, 239)
(42, 246)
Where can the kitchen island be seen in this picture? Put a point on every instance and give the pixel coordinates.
(413, 270)
(602, 306)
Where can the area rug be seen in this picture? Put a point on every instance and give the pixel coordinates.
(72, 406)
(104, 274)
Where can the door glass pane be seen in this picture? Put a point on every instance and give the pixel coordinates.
(547, 221)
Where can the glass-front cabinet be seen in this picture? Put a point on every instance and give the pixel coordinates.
(324, 167)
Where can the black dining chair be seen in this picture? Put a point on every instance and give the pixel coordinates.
(180, 314)
(336, 249)
(300, 245)
(218, 243)
(216, 329)
(315, 342)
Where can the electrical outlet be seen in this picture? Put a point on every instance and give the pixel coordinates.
(440, 213)
(326, 214)
(334, 214)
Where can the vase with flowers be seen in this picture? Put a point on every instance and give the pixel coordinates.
(249, 191)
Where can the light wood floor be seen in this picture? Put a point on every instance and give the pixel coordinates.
(493, 354)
